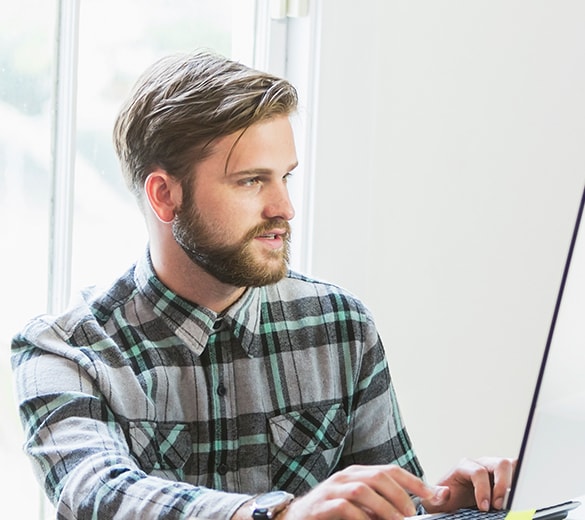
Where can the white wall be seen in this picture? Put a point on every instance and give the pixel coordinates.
(450, 157)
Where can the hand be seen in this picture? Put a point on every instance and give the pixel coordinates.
(363, 493)
(482, 483)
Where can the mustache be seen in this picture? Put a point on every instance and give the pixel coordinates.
(269, 225)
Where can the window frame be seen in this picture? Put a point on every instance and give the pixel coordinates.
(285, 46)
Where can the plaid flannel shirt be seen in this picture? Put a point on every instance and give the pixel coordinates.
(139, 404)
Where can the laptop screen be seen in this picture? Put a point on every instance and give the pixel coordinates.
(552, 458)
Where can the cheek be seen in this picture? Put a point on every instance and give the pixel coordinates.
(224, 212)
(231, 221)
(236, 212)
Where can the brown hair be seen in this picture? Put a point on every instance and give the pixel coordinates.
(183, 103)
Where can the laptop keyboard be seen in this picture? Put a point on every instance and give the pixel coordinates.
(472, 514)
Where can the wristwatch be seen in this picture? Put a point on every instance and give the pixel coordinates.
(268, 505)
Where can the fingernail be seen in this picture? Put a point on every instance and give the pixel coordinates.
(498, 503)
(485, 505)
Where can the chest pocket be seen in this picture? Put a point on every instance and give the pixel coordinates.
(160, 448)
(306, 446)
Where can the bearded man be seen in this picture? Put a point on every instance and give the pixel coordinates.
(210, 381)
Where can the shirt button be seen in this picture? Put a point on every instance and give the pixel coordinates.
(222, 469)
(217, 325)
(221, 390)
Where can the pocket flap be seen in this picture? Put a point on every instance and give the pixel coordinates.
(160, 446)
(312, 429)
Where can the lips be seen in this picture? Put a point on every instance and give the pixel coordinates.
(274, 238)
(275, 232)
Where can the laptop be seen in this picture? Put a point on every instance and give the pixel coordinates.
(550, 471)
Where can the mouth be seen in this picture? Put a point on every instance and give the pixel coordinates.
(276, 232)
(274, 238)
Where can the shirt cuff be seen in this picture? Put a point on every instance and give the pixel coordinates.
(218, 504)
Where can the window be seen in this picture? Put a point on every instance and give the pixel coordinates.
(114, 42)
(117, 41)
(60, 234)
(26, 42)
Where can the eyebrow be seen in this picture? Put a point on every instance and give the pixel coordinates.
(259, 171)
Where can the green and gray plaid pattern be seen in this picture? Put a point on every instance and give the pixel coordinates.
(139, 404)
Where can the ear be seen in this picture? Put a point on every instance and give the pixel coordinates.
(164, 194)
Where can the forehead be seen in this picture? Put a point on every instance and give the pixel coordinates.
(268, 144)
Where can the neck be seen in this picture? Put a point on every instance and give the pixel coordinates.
(176, 270)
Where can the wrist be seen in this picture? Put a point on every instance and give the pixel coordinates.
(282, 515)
(244, 512)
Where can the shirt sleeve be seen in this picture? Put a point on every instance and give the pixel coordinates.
(80, 453)
(377, 434)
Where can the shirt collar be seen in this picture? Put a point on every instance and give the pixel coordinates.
(192, 323)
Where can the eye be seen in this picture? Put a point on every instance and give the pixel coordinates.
(250, 181)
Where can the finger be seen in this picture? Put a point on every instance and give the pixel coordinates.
(303, 508)
(390, 486)
(503, 473)
(435, 496)
(482, 487)
(388, 506)
(440, 496)
(395, 485)
(473, 477)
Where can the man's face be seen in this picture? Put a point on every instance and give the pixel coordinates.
(233, 221)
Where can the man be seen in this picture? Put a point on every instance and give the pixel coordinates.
(209, 375)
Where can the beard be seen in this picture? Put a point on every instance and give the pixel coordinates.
(234, 264)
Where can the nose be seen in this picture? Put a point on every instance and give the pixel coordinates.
(278, 204)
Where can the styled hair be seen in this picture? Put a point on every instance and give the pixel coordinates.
(184, 102)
